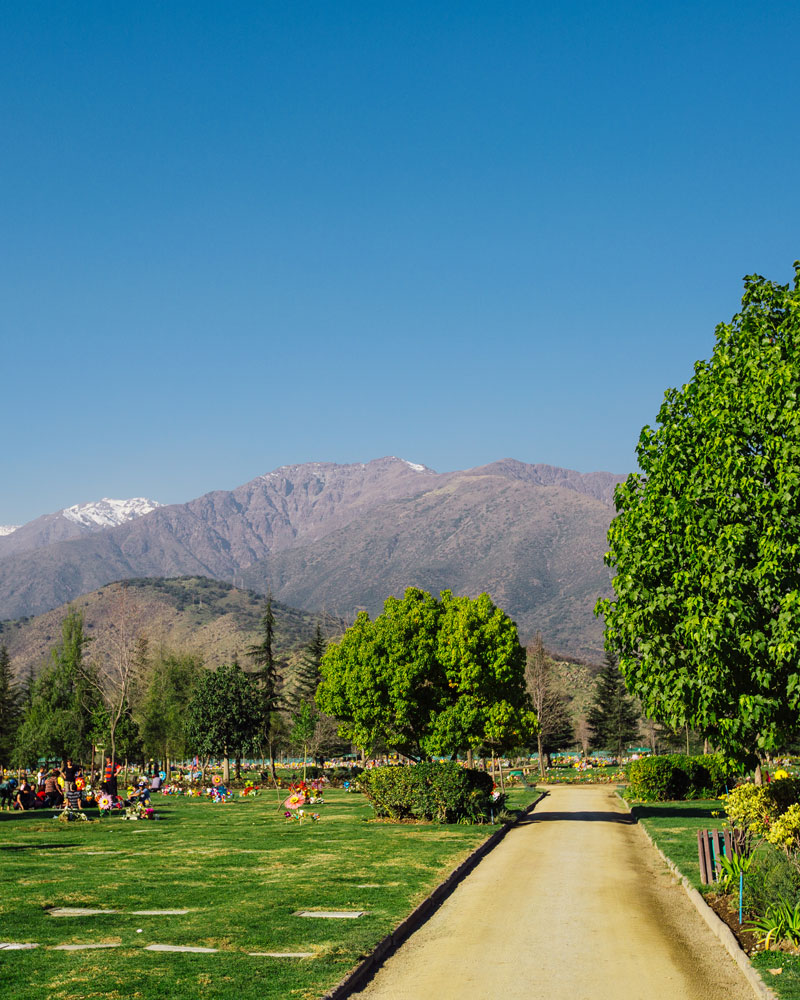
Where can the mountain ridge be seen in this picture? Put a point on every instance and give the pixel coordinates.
(349, 514)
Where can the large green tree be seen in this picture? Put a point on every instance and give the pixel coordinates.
(162, 712)
(64, 701)
(222, 717)
(428, 676)
(9, 708)
(706, 541)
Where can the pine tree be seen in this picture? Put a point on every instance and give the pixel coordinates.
(613, 717)
(268, 676)
(307, 672)
(9, 708)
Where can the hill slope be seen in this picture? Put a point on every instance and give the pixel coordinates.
(209, 618)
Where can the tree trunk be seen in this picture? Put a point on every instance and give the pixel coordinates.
(542, 769)
(226, 768)
(705, 744)
(758, 776)
(238, 768)
(470, 758)
(687, 739)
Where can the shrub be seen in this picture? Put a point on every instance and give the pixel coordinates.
(656, 779)
(440, 792)
(677, 776)
(773, 876)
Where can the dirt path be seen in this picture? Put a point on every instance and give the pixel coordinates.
(574, 904)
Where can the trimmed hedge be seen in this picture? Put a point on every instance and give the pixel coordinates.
(439, 792)
(676, 776)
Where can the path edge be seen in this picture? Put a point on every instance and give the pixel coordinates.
(366, 968)
(715, 924)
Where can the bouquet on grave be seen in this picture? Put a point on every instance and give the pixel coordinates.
(70, 815)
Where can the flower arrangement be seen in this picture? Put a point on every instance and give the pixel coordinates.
(300, 815)
(70, 815)
(104, 803)
(138, 810)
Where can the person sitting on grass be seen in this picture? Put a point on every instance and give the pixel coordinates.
(24, 798)
(73, 799)
(142, 793)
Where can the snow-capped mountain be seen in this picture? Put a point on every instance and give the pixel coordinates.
(108, 513)
(6, 529)
(73, 522)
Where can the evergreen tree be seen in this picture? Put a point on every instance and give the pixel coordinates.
(64, 702)
(307, 673)
(9, 708)
(268, 677)
(613, 717)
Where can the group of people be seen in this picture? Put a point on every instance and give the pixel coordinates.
(61, 788)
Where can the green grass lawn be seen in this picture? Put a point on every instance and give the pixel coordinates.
(674, 825)
(240, 869)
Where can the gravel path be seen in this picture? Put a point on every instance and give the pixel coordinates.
(574, 904)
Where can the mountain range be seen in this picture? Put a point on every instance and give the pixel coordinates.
(338, 538)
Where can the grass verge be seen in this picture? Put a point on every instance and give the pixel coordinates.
(673, 827)
(240, 868)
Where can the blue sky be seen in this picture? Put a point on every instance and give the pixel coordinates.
(242, 236)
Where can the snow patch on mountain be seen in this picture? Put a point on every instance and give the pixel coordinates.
(6, 529)
(108, 513)
(414, 466)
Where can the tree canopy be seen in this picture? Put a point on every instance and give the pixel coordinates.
(222, 716)
(64, 702)
(429, 676)
(706, 613)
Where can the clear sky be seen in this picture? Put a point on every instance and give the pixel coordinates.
(238, 236)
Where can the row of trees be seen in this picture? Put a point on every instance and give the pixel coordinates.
(116, 693)
(428, 676)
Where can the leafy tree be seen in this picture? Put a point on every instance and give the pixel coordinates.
(162, 714)
(9, 708)
(706, 542)
(486, 703)
(127, 737)
(304, 724)
(268, 674)
(554, 730)
(428, 676)
(613, 718)
(223, 717)
(64, 701)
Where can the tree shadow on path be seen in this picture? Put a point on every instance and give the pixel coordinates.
(583, 816)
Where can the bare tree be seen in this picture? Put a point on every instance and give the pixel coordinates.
(548, 703)
(121, 656)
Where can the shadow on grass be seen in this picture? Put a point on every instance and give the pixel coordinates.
(693, 812)
(29, 814)
(34, 847)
